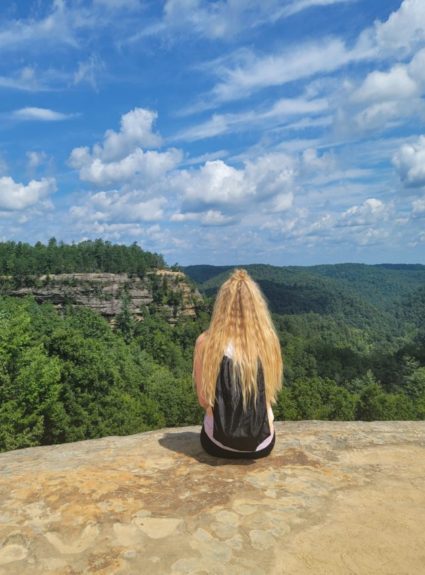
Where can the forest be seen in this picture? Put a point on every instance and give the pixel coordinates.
(22, 261)
(352, 337)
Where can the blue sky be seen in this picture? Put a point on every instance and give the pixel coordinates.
(288, 132)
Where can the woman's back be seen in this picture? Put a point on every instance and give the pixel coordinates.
(235, 425)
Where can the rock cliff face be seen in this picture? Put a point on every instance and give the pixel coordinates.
(167, 290)
(333, 498)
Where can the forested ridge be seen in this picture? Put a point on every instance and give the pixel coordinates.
(352, 335)
(22, 260)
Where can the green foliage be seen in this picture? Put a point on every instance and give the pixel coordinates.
(124, 321)
(176, 398)
(29, 383)
(21, 260)
(69, 378)
(315, 398)
(375, 404)
(415, 383)
(352, 337)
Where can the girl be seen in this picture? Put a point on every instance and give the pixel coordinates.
(237, 370)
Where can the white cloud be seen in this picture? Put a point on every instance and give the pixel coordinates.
(384, 100)
(364, 224)
(360, 225)
(372, 236)
(119, 206)
(282, 202)
(40, 114)
(393, 85)
(208, 218)
(23, 79)
(369, 212)
(301, 5)
(387, 114)
(281, 110)
(119, 4)
(55, 27)
(35, 159)
(299, 62)
(217, 155)
(267, 177)
(146, 165)
(214, 182)
(416, 68)
(418, 206)
(89, 71)
(135, 130)
(410, 162)
(119, 158)
(224, 19)
(215, 218)
(403, 31)
(271, 174)
(218, 124)
(17, 196)
(213, 21)
(112, 231)
(36, 79)
(312, 162)
(307, 123)
(63, 25)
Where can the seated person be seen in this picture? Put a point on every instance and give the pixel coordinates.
(237, 370)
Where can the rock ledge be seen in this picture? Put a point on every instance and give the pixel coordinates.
(333, 498)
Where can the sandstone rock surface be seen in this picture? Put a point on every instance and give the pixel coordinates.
(333, 498)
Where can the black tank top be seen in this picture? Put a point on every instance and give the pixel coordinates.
(232, 426)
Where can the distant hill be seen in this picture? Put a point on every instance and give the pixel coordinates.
(363, 295)
(380, 284)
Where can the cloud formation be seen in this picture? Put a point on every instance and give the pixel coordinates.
(18, 196)
(120, 157)
(410, 162)
(218, 131)
(40, 115)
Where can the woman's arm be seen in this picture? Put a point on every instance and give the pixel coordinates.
(197, 369)
(271, 417)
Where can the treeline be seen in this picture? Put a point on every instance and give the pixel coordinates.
(21, 260)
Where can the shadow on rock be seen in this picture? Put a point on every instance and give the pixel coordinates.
(188, 443)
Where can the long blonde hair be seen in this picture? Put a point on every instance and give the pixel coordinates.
(241, 316)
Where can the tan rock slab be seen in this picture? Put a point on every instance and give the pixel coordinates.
(333, 498)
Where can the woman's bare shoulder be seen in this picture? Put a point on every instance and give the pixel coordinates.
(201, 339)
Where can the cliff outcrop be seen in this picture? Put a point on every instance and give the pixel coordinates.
(166, 290)
(333, 498)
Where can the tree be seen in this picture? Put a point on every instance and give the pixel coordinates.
(374, 404)
(124, 321)
(30, 381)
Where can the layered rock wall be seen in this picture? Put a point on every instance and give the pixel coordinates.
(168, 291)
